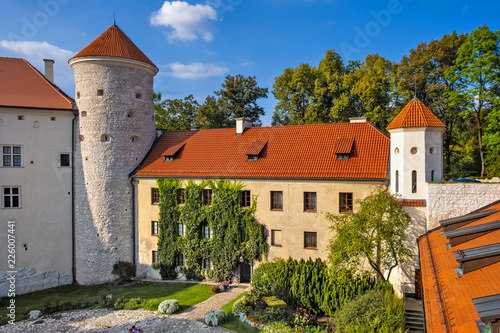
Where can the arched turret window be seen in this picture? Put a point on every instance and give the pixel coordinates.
(397, 181)
(414, 181)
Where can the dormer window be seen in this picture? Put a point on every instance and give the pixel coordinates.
(343, 148)
(255, 150)
(172, 152)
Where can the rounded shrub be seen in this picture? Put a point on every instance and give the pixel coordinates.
(216, 318)
(361, 311)
(124, 271)
(168, 306)
(240, 307)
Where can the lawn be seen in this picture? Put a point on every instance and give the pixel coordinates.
(151, 293)
(233, 322)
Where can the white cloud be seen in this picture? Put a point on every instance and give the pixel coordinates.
(36, 49)
(195, 70)
(189, 22)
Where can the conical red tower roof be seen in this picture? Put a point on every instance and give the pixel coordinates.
(415, 114)
(113, 43)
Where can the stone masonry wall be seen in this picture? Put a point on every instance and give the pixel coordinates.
(115, 131)
(450, 200)
(28, 280)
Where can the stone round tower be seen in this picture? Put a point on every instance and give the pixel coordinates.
(114, 95)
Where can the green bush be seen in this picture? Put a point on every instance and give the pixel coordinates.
(133, 304)
(375, 311)
(309, 284)
(216, 318)
(240, 307)
(124, 271)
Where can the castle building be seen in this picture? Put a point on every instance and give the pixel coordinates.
(36, 143)
(115, 130)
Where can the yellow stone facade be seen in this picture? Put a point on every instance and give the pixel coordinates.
(292, 221)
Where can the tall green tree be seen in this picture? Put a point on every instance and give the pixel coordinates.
(475, 73)
(175, 114)
(376, 233)
(239, 95)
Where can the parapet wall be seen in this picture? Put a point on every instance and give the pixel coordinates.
(449, 200)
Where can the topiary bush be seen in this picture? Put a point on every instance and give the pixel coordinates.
(240, 307)
(216, 318)
(168, 306)
(124, 271)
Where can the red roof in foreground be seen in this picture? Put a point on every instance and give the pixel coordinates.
(24, 86)
(448, 298)
(301, 151)
(114, 43)
(415, 114)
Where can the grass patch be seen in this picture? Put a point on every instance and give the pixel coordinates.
(151, 294)
(276, 302)
(234, 323)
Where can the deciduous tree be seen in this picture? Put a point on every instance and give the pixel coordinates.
(376, 233)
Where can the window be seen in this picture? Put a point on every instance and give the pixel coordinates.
(207, 232)
(181, 229)
(276, 237)
(276, 200)
(180, 196)
(397, 181)
(84, 114)
(345, 202)
(207, 197)
(52, 118)
(154, 256)
(64, 160)
(245, 199)
(20, 117)
(310, 240)
(137, 95)
(100, 92)
(134, 139)
(105, 138)
(77, 94)
(309, 201)
(207, 263)
(130, 114)
(432, 175)
(180, 259)
(12, 156)
(155, 196)
(11, 197)
(342, 157)
(154, 227)
(414, 181)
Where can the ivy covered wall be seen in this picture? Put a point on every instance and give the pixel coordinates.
(234, 231)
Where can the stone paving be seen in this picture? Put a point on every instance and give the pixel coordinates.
(108, 320)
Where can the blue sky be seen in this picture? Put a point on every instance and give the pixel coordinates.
(196, 43)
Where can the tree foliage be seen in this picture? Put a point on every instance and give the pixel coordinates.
(476, 73)
(175, 114)
(235, 232)
(375, 234)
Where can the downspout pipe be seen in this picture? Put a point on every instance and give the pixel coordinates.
(73, 173)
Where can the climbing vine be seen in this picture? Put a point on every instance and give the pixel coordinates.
(235, 233)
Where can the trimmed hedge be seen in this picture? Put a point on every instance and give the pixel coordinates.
(309, 284)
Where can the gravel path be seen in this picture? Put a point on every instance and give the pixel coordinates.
(108, 320)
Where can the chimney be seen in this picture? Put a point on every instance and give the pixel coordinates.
(357, 120)
(49, 69)
(241, 125)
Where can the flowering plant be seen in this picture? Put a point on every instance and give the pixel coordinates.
(215, 288)
(35, 314)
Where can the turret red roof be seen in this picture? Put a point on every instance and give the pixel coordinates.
(113, 43)
(301, 151)
(415, 114)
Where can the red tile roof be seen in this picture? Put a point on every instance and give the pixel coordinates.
(343, 145)
(302, 151)
(415, 203)
(24, 86)
(113, 43)
(448, 298)
(415, 114)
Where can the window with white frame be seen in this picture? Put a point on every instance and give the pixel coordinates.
(154, 256)
(12, 156)
(11, 197)
(207, 263)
